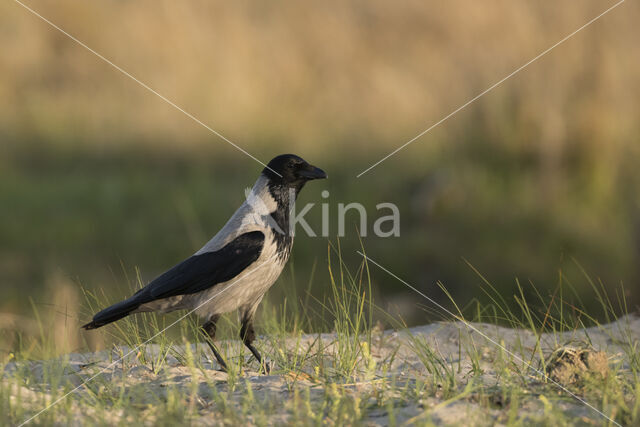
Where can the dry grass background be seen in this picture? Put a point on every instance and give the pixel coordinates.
(313, 76)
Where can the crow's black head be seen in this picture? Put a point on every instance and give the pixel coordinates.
(291, 171)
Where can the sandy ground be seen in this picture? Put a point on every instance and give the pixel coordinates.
(400, 378)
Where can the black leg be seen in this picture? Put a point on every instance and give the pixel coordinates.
(209, 328)
(248, 334)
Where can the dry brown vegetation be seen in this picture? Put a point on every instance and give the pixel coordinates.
(324, 74)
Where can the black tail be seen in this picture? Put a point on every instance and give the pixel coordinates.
(113, 313)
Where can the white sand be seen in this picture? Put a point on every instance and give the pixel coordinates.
(452, 341)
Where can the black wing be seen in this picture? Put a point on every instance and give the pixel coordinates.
(195, 274)
(202, 271)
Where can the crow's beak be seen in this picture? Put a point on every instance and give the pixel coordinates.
(312, 172)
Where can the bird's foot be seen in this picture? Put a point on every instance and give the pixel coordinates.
(221, 365)
(266, 366)
(218, 356)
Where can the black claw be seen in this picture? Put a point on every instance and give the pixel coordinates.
(248, 334)
(209, 328)
(221, 362)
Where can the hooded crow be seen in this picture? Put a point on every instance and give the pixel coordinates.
(237, 266)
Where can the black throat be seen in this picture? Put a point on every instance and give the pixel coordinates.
(283, 194)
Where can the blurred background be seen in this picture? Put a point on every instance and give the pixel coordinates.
(535, 183)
